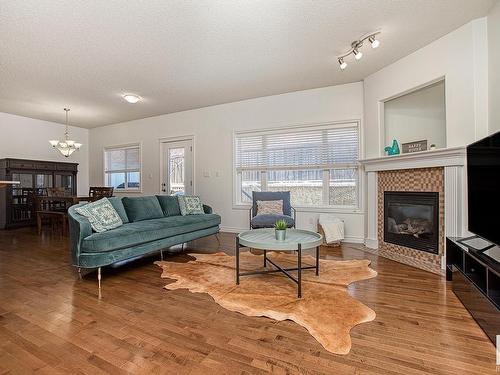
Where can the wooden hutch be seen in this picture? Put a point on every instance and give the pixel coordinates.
(16, 201)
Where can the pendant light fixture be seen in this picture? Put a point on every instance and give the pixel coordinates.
(67, 146)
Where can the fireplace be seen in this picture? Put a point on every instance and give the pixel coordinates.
(411, 219)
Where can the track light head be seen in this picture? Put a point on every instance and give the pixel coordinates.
(357, 54)
(375, 42)
(342, 63)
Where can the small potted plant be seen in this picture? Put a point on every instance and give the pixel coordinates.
(280, 229)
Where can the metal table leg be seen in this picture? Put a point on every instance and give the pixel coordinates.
(265, 258)
(237, 261)
(299, 271)
(317, 260)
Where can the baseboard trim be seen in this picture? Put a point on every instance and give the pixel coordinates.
(371, 243)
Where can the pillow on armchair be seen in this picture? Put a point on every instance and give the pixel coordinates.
(274, 207)
(272, 196)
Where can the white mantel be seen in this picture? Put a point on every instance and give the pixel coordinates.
(445, 157)
(452, 159)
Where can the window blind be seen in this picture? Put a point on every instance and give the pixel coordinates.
(317, 148)
(122, 159)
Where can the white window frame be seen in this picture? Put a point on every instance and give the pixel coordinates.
(326, 172)
(126, 170)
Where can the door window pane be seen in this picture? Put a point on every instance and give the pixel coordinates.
(343, 187)
(250, 181)
(176, 171)
(305, 186)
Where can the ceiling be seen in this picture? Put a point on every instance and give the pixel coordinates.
(181, 55)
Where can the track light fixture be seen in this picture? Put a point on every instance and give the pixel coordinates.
(356, 45)
(375, 42)
(357, 55)
(342, 63)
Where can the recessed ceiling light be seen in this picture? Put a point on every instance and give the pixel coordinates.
(131, 98)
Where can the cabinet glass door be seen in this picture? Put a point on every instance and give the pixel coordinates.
(21, 205)
(64, 181)
(25, 179)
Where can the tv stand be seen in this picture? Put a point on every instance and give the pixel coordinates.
(475, 281)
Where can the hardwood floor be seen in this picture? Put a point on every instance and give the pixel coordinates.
(53, 323)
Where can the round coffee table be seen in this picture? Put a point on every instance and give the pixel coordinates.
(263, 239)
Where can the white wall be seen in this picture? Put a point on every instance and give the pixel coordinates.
(494, 68)
(462, 58)
(27, 138)
(417, 116)
(213, 129)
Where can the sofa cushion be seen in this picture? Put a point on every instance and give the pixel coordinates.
(137, 233)
(169, 204)
(101, 215)
(267, 221)
(142, 208)
(120, 210)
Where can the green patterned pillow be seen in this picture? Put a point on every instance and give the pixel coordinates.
(101, 214)
(190, 205)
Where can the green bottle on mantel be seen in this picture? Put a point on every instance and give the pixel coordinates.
(394, 150)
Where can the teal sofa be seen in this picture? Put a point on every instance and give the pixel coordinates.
(151, 224)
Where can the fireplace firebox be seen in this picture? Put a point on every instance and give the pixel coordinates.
(411, 219)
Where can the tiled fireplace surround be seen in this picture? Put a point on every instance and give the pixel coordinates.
(439, 171)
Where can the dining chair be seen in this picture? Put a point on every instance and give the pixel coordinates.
(51, 212)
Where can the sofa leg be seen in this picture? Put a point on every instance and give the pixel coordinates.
(99, 280)
(182, 247)
(218, 239)
(79, 273)
(161, 255)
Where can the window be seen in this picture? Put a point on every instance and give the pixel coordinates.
(318, 165)
(123, 167)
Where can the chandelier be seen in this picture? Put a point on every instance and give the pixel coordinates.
(66, 147)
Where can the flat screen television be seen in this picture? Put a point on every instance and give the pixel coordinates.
(483, 187)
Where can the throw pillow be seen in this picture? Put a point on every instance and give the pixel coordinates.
(270, 207)
(101, 214)
(190, 205)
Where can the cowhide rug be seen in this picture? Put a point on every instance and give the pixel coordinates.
(326, 310)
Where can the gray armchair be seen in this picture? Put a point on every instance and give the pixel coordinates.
(267, 220)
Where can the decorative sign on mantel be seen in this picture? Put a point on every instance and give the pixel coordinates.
(414, 146)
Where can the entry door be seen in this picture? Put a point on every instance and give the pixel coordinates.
(178, 168)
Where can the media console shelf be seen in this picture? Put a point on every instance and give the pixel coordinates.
(476, 282)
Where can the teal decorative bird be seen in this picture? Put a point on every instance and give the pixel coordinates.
(394, 150)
